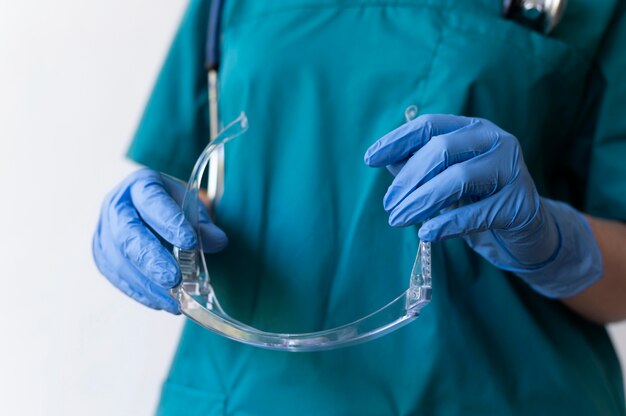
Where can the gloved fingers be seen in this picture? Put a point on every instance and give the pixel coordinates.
(469, 219)
(161, 302)
(158, 296)
(174, 187)
(130, 281)
(395, 168)
(402, 142)
(212, 238)
(434, 157)
(160, 211)
(467, 179)
(125, 288)
(142, 248)
(154, 298)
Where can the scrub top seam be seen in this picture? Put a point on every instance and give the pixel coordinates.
(352, 5)
(248, 19)
(431, 65)
(577, 57)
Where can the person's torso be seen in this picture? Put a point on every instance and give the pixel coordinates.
(310, 246)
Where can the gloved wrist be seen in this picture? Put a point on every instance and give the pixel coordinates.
(577, 262)
(473, 173)
(531, 245)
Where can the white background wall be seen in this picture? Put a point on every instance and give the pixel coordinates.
(74, 76)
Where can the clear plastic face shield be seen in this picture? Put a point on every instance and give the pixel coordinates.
(200, 302)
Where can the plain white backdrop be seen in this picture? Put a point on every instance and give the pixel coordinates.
(74, 76)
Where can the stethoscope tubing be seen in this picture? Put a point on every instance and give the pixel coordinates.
(212, 59)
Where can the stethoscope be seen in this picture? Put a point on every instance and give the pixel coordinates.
(215, 185)
(539, 15)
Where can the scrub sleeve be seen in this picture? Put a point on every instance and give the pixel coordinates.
(175, 128)
(606, 189)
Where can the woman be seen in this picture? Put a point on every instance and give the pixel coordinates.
(515, 323)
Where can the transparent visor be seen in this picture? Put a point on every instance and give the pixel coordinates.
(199, 301)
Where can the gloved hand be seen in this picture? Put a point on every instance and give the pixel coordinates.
(474, 173)
(126, 245)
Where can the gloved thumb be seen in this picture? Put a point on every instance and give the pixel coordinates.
(212, 238)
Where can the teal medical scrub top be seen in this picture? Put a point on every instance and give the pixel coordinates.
(310, 246)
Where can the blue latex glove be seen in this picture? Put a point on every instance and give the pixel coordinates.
(473, 172)
(126, 244)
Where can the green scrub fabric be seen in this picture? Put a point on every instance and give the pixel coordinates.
(310, 246)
